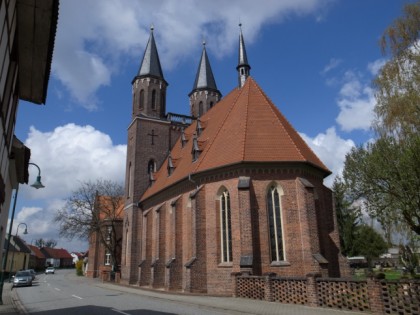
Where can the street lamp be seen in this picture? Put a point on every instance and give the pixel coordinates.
(36, 185)
(13, 254)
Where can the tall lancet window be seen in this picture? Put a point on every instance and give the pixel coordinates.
(225, 227)
(154, 99)
(275, 223)
(141, 101)
(200, 109)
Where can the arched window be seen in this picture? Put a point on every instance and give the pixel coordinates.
(200, 109)
(275, 224)
(154, 99)
(225, 227)
(162, 104)
(151, 166)
(130, 170)
(141, 101)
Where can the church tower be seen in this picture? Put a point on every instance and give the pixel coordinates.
(151, 135)
(243, 65)
(204, 94)
(149, 86)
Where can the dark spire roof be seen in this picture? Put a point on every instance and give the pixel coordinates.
(150, 65)
(243, 65)
(204, 79)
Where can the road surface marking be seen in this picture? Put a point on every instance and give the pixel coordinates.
(77, 297)
(121, 312)
(57, 289)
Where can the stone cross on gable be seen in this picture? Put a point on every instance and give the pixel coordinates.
(153, 135)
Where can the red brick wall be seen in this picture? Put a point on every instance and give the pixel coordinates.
(308, 223)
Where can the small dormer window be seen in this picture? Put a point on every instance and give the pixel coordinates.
(183, 138)
(199, 127)
(171, 166)
(195, 149)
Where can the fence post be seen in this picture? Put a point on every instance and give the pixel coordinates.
(234, 276)
(268, 287)
(376, 303)
(311, 289)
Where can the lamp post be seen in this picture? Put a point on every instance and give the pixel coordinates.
(13, 254)
(37, 184)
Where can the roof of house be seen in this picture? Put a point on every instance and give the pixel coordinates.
(36, 251)
(245, 126)
(56, 253)
(111, 207)
(19, 245)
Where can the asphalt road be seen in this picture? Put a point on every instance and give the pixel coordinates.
(65, 295)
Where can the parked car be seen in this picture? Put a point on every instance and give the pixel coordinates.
(32, 272)
(22, 278)
(49, 270)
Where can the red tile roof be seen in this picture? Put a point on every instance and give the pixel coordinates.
(245, 126)
(36, 251)
(57, 253)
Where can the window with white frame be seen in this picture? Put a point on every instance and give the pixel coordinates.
(225, 227)
(107, 258)
(275, 224)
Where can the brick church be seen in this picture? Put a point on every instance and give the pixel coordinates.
(230, 189)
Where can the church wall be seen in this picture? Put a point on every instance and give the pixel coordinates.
(307, 218)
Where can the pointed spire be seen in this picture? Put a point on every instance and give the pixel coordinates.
(204, 79)
(150, 65)
(243, 65)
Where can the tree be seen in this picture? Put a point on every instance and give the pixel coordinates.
(368, 243)
(385, 173)
(398, 83)
(94, 209)
(45, 243)
(348, 216)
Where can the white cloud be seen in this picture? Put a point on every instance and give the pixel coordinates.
(71, 154)
(356, 102)
(332, 64)
(92, 43)
(376, 65)
(66, 156)
(331, 149)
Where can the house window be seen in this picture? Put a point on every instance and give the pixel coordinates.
(108, 233)
(225, 228)
(107, 258)
(275, 224)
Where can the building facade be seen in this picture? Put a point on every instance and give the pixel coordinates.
(27, 34)
(234, 190)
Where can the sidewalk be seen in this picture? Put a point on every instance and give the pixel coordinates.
(11, 304)
(230, 304)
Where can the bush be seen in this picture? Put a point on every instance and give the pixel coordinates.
(79, 268)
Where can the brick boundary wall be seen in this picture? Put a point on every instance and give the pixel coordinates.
(371, 295)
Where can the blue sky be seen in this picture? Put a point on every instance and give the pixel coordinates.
(315, 59)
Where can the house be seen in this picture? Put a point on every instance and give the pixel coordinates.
(57, 257)
(28, 29)
(232, 189)
(37, 259)
(19, 255)
(104, 254)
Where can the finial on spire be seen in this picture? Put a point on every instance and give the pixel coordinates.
(243, 65)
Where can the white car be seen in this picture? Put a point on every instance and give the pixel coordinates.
(49, 270)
